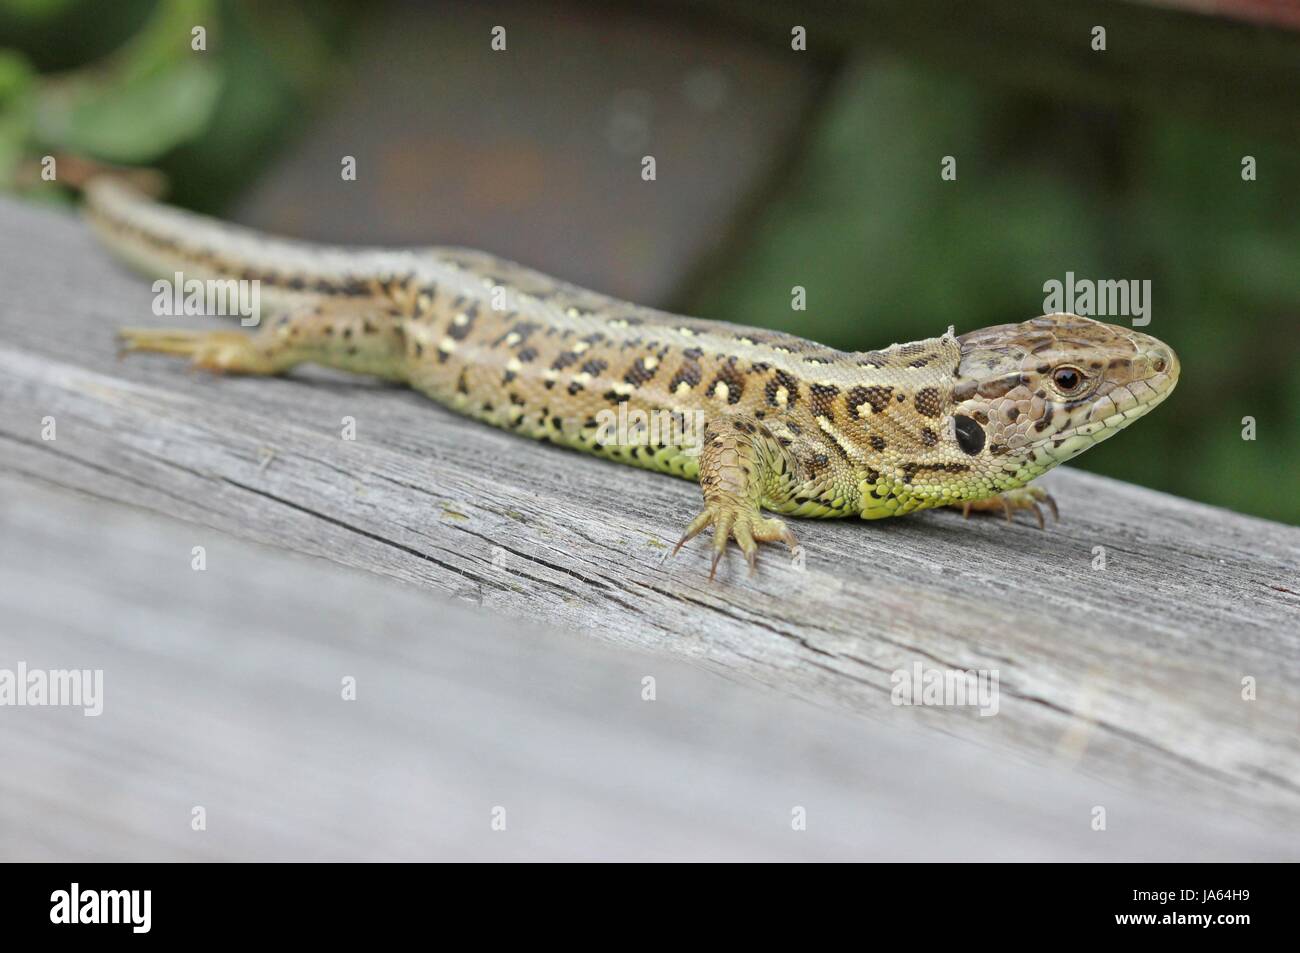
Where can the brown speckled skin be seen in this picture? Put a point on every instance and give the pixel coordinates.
(791, 426)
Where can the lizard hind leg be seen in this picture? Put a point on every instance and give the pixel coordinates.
(352, 337)
(217, 351)
(738, 462)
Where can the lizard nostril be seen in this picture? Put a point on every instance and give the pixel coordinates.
(1161, 359)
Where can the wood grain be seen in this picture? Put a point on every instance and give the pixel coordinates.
(222, 689)
(1131, 674)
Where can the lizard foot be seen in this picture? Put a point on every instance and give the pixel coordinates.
(747, 526)
(1024, 498)
(216, 351)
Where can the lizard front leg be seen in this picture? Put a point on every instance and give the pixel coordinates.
(1008, 501)
(743, 467)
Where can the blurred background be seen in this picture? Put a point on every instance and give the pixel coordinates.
(775, 167)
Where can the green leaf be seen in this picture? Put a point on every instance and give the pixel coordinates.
(17, 92)
(16, 76)
(35, 10)
(154, 94)
(134, 121)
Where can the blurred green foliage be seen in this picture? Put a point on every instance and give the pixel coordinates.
(123, 82)
(890, 252)
(151, 97)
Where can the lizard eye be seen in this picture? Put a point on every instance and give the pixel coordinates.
(1068, 380)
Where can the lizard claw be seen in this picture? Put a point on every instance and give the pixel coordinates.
(1008, 502)
(748, 527)
(216, 351)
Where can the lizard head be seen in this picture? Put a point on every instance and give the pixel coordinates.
(1029, 396)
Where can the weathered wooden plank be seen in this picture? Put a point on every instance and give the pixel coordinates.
(222, 689)
(1134, 671)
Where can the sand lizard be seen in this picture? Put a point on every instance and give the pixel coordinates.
(790, 426)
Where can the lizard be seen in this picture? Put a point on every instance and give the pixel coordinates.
(783, 425)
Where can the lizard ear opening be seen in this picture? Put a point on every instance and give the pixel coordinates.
(970, 435)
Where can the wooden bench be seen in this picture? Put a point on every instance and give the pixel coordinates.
(1120, 685)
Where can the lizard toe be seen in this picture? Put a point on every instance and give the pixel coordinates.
(1009, 502)
(748, 527)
